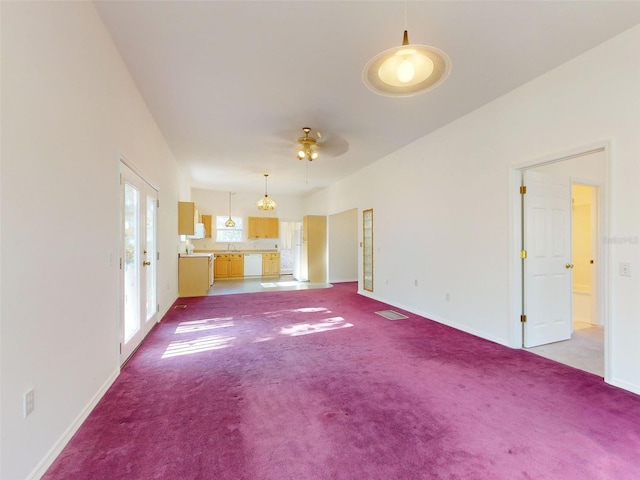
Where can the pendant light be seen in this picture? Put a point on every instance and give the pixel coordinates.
(406, 70)
(266, 203)
(230, 223)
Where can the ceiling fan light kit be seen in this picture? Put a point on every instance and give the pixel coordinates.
(307, 146)
(265, 203)
(406, 70)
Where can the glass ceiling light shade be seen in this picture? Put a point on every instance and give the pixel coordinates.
(307, 147)
(406, 70)
(265, 203)
(230, 223)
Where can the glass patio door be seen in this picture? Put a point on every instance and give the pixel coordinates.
(138, 260)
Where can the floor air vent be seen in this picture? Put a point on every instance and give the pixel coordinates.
(391, 315)
(180, 305)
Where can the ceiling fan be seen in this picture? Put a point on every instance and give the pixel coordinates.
(307, 146)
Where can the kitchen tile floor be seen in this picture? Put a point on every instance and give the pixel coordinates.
(252, 285)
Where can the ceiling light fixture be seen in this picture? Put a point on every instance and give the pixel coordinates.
(266, 203)
(406, 70)
(307, 148)
(230, 223)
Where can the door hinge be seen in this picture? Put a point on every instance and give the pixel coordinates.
(523, 189)
(120, 349)
(158, 308)
(158, 203)
(120, 263)
(120, 179)
(523, 254)
(523, 318)
(157, 255)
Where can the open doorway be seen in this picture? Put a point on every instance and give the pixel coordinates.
(585, 346)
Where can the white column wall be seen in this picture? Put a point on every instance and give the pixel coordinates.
(442, 214)
(69, 111)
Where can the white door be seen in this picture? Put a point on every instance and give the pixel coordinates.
(547, 266)
(138, 261)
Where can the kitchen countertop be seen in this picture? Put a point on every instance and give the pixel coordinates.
(195, 254)
(234, 251)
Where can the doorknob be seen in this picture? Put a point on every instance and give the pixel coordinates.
(149, 263)
(568, 265)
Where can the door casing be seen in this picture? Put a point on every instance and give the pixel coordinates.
(515, 242)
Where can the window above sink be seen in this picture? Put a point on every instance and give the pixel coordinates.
(226, 234)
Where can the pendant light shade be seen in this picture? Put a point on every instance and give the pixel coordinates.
(266, 203)
(230, 223)
(406, 70)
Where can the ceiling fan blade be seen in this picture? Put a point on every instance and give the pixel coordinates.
(332, 145)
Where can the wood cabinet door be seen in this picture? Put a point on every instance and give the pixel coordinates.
(237, 265)
(263, 227)
(252, 227)
(221, 266)
(206, 220)
(186, 218)
(272, 227)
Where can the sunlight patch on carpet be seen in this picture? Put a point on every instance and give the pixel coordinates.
(306, 328)
(198, 345)
(205, 324)
(391, 315)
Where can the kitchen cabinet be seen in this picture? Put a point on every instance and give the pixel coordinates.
(313, 265)
(206, 220)
(221, 267)
(236, 267)
(187, 218)
(229, 265)
(270, 264)
(263, 227)
(195, 275)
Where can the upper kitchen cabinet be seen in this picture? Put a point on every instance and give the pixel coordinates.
(207, 220)
(263, 227)
(187, 218)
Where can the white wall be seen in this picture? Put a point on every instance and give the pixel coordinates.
(69, 111)
(442, 204)
(342, 246)
(211, 202)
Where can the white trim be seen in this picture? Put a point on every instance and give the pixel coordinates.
(515, 264)
(59, 445)
(138, 172)
(437, 319)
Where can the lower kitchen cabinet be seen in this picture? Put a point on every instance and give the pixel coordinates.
(195, 275)
(270, 264)
(229, 265)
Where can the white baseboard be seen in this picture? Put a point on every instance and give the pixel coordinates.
(457, 326)
(53, 453)
(624, 385)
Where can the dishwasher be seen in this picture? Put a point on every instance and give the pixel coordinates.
(252, 264)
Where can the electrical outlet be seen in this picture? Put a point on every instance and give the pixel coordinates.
(28, 403)
(625, 269)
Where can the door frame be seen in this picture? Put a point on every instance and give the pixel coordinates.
(515, 243)
(156, 318)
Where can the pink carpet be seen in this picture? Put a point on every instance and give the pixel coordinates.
(313, 384)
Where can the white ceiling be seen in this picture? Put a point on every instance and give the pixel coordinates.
(232, 83)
